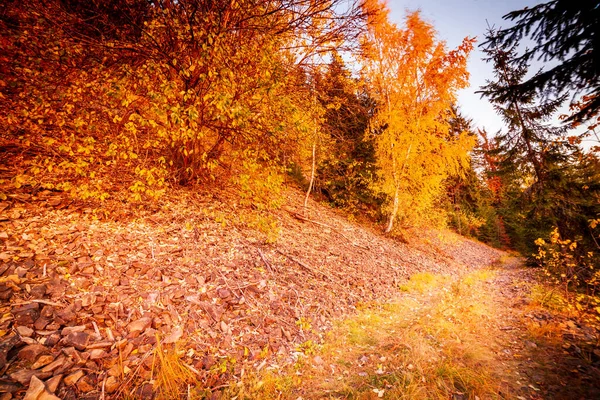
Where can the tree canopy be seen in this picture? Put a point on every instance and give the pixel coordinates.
(414, 80)
(565, 34)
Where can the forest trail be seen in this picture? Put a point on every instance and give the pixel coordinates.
(491, 333)
(202, 298)
(92, 298)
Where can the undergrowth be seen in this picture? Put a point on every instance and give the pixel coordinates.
(170, 372)
(431, 343)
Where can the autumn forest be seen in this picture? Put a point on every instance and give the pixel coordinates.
(195, 194)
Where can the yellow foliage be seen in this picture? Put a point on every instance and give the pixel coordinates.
(563, 263)
(415, 81)
(190, 104)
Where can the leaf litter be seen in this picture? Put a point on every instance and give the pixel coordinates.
(88, 294)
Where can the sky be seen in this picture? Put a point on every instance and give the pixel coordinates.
(454, 20)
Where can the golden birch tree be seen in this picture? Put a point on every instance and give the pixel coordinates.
(414, 79)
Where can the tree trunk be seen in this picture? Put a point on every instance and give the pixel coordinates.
(390, 224)
(312, 176)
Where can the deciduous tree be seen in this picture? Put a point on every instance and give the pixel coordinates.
(414, 80)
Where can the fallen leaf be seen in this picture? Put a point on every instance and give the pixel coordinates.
(174, 336)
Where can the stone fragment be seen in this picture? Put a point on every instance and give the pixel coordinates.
(139, 325)
(85, 385)
(52, 383)
(42, 361)
(23, 376)
(31, 352)
(97, 354)
(24, 331)
(54, 364)
(72, 379)
(111, 385)
(36, 388)
(26, 314)
(79, 340)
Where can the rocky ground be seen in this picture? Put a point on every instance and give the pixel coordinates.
(482, 335)
(86, 293)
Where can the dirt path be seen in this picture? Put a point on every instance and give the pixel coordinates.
(554, 349)
(479, 335)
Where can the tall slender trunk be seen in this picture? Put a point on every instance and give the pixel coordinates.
(531, 154)
(397, 177)
(392, 217)
(537, 164)
(312, 176)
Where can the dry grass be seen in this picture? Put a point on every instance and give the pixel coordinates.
(422, 281)
(171, 375)
(433, 343)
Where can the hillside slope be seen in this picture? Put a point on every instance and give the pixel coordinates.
(86, 293)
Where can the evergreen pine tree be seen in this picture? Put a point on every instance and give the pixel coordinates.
(530, 143)
(563, 31)
(531, 154)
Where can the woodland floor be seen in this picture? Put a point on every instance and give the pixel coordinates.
(481, 335)
(92, 297)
